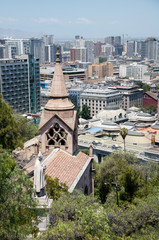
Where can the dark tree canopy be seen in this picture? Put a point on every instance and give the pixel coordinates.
(17, 206)
(10, 138)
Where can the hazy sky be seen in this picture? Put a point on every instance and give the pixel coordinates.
(88, 18)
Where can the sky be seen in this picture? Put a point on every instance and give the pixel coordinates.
(88, 18)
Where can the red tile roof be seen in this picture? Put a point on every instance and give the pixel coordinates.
(66, 167)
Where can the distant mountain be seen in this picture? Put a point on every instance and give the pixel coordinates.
(15, 33)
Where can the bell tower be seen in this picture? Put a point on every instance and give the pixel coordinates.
(59, 121)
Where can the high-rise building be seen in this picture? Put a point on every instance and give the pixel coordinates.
(89, 51)
(50, 53)
(48, 39)
(37, 49)
(150, 49)
(97, 49)
(20, 83)
(113, 40)
(130, 48)
(78, 54)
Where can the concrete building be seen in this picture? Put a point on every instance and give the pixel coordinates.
(70, 73)
(134, 70)
(14, 47)
(89, 51)
(107, 50)
(132, 95)
(75, 96)
(20, 83)
(113, 40)
(78, 54)
(100, 70)
(150, 49)
(48, 39)
(97, 49)
(50, 53)
(97, 99)
(37, 49)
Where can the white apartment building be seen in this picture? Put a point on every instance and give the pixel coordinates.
(134, 70)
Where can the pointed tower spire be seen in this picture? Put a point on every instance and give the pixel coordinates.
(58, 94)
(59, 121)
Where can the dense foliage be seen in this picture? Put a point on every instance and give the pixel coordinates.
(54, 188)
(10, 138)
(137, 216)
(85, 113)
(26, 129)
(17, 207)
(77, 217)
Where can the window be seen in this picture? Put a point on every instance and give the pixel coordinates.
(56, 135)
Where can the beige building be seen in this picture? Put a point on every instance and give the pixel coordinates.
(100, 70)
(98, 99)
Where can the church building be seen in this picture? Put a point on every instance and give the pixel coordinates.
(59, 140)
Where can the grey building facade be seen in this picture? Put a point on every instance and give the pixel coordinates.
(20, 83)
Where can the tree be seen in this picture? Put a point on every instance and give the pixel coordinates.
(18, 216)
(54, 188)
(77, 217)
(10, 138)
(85, 113)
(102, 59)
(119, 168)
(26, 129)
(124, 133)
(144, 86)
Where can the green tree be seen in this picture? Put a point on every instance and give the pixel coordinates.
(102, 59)
(117, 168)
(144, 86)
(54, 188)
(10, 138)
(26, 129)
(77, 217)
(124, 132)
(85, 113)
(17, 206)
(149, 109)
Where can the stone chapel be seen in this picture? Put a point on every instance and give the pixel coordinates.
(58, 141)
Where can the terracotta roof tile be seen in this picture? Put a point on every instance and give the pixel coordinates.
(66, 167)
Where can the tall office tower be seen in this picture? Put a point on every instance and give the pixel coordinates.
(79, 42)
(130, 48)
(107, 50)
(50, 53)
(109, 40)
(97, 49)
(117, 40)
(149, 49)
(37, 49)
(48, 39)
(89, 51)
(20, 83)
(78, 54)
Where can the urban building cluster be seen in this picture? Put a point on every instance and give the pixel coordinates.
(97, 73)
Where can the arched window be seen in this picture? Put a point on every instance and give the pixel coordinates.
(56, 135)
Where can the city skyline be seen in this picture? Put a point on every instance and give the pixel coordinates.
(91, 19)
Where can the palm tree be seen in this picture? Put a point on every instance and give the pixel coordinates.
(123, 133)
